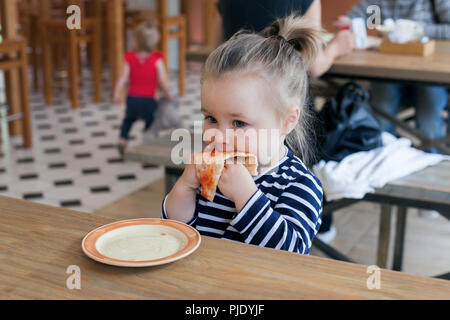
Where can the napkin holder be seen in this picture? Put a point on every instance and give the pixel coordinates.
(412, 48)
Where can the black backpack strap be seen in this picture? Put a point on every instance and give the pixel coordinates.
(435, 13)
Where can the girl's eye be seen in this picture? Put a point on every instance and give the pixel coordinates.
(210, 119)
(239, 124)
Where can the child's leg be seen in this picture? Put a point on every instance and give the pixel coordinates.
(148, 112)
(430, 101)
(131, 115)
(387, 97)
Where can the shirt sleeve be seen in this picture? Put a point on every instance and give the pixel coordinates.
(440, 30)
(127, 57)
(158, 55)
(289, 224)
(359, 10)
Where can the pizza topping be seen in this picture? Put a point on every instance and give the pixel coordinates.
(209, 167)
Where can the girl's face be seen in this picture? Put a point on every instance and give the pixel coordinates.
(239, 115)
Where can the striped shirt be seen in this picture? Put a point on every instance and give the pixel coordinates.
(285, 213)
(417, 10)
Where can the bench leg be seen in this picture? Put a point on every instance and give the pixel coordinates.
(384, 235)
(399, 238)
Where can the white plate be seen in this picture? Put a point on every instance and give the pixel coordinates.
(141, 242)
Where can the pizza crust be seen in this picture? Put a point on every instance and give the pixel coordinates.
(209, 167)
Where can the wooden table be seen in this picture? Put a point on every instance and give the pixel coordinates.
(374, 65)
(427, 189)
(40, 242)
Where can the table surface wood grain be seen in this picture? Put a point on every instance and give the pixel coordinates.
(40, 242)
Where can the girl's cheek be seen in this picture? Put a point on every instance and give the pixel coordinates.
(268, 150)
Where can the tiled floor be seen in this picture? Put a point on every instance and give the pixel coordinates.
(74, 162)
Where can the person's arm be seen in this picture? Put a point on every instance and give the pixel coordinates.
(180, 203)
(343, 43)
(121, 83)
(163, 79)
(290, 224)
(440, 30)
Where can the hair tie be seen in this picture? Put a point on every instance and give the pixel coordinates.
(291, 42)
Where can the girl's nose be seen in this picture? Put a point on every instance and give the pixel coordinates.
(223, 140)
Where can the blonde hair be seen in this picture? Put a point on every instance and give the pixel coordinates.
(146, 36)
(283, 53)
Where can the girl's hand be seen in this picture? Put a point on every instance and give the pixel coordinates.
(189, 177)
(117, 99)
(169, 97)
(237, 184)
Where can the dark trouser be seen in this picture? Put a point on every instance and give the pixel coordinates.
(138, 108)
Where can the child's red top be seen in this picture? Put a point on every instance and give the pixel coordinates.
(143, 76)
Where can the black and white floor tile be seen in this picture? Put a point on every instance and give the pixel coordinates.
(74, 162)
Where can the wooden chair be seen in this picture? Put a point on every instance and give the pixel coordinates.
(13, 57)
(166, 25)
(29, 29)
(55, 31)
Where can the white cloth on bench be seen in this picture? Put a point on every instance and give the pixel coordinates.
(362, 172)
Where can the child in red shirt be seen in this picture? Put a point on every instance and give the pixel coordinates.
(144, 70)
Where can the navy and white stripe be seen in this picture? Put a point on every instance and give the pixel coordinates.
(285, 212)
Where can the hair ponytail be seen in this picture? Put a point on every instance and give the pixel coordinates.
(300, 34)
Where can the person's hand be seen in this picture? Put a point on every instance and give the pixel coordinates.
(189, 177)
(344, 41)
(170, 98)
(342, 22)
(237, 184)
(117, 98)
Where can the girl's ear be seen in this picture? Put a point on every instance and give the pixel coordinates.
(291, 119)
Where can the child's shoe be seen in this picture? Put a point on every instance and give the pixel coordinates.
(121, 148)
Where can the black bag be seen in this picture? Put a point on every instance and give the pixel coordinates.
(348, 124)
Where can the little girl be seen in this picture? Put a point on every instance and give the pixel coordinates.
(257, 83)
(144, 69)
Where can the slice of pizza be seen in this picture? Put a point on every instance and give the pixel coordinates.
(209, 167)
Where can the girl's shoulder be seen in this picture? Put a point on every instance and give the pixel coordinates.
(156, 55)
(291, 171)
(130, 55)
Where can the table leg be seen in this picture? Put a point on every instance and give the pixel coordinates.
(384, 235)
(399, 238)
